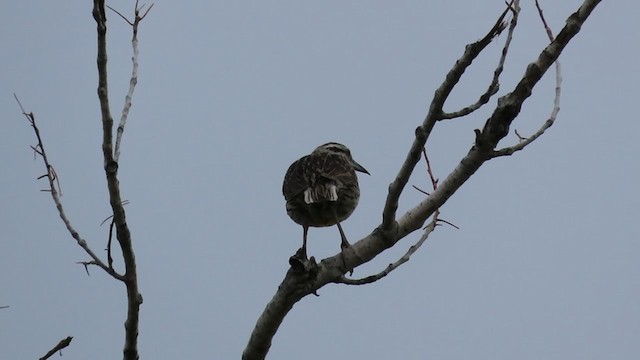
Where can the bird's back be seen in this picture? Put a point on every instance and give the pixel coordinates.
(320, 189)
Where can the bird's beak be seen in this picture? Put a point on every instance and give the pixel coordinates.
(358, 167)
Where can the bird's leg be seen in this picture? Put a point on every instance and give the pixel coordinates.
(299, 261)
(344, 245)
(305, 230)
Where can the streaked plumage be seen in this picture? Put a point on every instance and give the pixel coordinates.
(321, 189)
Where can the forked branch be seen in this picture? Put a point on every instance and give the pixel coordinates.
(123, 234)
(413, 248)
(525, 141)
(133, 81)
(471, 52)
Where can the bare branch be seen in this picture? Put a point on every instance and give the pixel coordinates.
(134, 73)
(61, 345)
(54, 189)
(412, 249)
(494, 86)
(4, 306)
(297, 285)
(471, 52)
(524, 142)
(123, 234)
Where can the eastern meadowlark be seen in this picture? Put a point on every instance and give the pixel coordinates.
(321, 189)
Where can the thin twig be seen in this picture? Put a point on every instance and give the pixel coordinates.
(109, 256)
(133, 81)
(494, 86)
(54, 187)
(434, 181)
(422, 191)
(525, 141)
(412, 249)
(422, 133)
(449, 223)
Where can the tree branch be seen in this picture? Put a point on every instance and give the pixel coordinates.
(556, 103)
(296, 285)
(471, 52)
(61, 345)
(494, 86)
(412, 249)
(134, 72)
(123, 234)
(53, 189)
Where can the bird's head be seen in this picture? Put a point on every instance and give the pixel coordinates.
(339, 149)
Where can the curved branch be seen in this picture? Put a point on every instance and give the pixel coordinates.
(494, 86)
(412, 249)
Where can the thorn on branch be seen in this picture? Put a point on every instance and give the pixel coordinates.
(422, 191)
(434, 181)
(86, 265)
(109, 257)
(448, 223)
(520, 137)
(544, 22)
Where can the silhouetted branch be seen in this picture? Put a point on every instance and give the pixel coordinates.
(61, 345)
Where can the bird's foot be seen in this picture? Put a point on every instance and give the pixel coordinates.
(344, 260)
(300, 263)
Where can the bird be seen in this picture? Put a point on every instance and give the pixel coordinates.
(321, 190)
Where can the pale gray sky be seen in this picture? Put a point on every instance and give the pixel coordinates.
(544, 266)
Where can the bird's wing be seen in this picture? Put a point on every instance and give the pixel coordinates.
(295, 182)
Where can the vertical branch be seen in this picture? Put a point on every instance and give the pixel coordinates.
(133, 81)
(123, 235)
